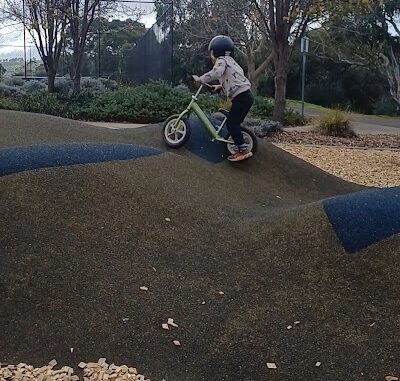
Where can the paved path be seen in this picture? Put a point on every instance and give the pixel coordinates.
(115, 126)
(362, 124)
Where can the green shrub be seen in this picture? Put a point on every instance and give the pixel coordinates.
(43, 102)
(335, 123)
(63, 86)
(14, 81)
(226, 104)
(8, 104)
(149, 103)
(92, 86)
(109, 84)
(294, 118)
(32, 86)
(263, 108)
(183, 88)
(385, 106)
(143, 104)
(10, 91)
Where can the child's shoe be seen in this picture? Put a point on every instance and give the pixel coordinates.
(241, 155)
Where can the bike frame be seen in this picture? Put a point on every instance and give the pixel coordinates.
(194, 107)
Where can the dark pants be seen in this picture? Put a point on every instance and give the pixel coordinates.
(241, 106)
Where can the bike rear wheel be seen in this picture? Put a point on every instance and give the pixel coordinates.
(250, 140)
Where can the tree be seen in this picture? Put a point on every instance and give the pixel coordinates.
(81, 15)
(283, 23)
(116, 40)
(2, 71)
(227, 17)
(46, 22)
(197, 21)
(367, 33)
(388, 16)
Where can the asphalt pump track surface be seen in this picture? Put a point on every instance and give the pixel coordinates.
(234, 253)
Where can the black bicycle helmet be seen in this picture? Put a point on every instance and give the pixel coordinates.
(221, 46)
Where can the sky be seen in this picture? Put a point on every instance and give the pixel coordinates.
(14, 36)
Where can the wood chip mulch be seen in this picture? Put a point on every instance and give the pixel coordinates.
(310, 138)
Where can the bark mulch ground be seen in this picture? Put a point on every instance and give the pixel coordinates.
(310, 138)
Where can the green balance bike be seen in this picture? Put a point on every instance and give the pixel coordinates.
(176, 131)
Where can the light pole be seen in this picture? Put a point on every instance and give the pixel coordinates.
(305, 45)
(24, 22)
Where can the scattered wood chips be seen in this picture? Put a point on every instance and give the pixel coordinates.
(100, 371)
(370, 167)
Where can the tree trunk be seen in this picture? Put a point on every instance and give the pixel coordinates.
(256, 74)
(76, 72)
(51, 79)
(77, 83)
(280, 93)
(251, 72)
(76, 68)
(51, 76)
(281, 63)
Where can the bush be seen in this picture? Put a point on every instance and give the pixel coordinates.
(183, 88)
(335, 123)
(43, 102)
(143, 104)
(32, 86)
(63, 86)
(385, 106)
(263, 108)
(92, 86)
(14, 81)
(109, 84)
(8, 104)
(150, 103)
(226, 104)
(10, 91)
(294, 118)
(262, 128)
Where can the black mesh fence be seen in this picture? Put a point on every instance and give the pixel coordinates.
(151, 58)
(118, 45)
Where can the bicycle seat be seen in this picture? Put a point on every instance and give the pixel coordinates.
(223, 112)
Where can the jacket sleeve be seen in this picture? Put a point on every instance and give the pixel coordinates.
(216, 73)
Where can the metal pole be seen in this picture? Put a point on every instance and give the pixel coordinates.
(303, 85)
(172, 40)
(99, 43)
(24, 22)
(30, 61)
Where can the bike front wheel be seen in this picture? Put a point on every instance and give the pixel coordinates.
(176, 134)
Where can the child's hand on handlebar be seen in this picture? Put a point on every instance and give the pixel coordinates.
(197, 79)
(216, 88)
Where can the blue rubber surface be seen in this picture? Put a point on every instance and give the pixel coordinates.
(364, 218)
(200, 143)
(25, 158)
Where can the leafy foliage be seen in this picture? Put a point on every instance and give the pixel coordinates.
(141, 104)
(335, 123)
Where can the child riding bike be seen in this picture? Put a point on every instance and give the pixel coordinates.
(235, 86)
